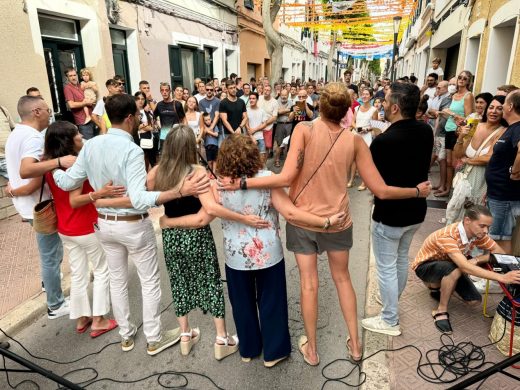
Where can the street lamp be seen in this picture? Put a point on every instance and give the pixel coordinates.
(397, 23)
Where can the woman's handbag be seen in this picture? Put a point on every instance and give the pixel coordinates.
(45, 220)
(146, 143)
(462, 187)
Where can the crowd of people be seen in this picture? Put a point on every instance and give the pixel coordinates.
(127, 153)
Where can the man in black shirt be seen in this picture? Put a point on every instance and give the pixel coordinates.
(503, 176)
(233, 112)
(169, 112)
(402, 156)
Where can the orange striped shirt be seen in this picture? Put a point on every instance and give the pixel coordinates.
(451, 239)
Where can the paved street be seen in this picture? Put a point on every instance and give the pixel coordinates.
(57, 339)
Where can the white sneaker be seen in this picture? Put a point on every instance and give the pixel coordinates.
(61, 311)
(378, 325)
(494, 287)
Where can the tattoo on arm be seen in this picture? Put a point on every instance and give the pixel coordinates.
(300, 158)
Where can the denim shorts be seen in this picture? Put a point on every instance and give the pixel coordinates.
(433, 271)
(504, 218)
(261, 145)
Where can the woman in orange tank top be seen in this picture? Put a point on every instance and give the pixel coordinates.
(316, 171)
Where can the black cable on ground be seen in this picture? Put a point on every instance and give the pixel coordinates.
(162, 377)
(453, 361)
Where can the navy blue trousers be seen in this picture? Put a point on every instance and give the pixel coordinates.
(259, 302)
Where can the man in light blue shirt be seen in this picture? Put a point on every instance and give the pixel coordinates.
(128, 232)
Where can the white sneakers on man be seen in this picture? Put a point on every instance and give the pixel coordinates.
(378, 325)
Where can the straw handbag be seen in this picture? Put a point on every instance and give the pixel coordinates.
(44, 215)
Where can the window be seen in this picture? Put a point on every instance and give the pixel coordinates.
(54, 27)
(249, 4)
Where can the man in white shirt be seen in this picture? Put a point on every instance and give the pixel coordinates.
(270, 105)
(257, 120)
(430, 88)
(24, 150)
(99, 115)
(202, 91)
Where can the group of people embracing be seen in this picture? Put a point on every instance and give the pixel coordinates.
(108, 178)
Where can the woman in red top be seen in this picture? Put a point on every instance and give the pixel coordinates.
(76, 220)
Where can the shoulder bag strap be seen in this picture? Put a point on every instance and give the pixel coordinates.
(41, 190)
(320, 164)
(469, 167)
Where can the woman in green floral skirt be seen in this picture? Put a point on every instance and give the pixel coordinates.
(190, 253)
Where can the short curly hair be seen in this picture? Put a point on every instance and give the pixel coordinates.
(237, 156)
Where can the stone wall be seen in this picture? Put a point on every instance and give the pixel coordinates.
(6, 205)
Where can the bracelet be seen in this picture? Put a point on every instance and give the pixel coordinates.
(459, 142)
(59, 163)
(327, 224)
(91, 197)
(511, 171)
(418, 192)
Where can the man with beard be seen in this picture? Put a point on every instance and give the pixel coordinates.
(127, 232)
(233, 112)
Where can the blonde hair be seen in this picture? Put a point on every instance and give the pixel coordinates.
(334, 102)
(87, 71)
(179, 155)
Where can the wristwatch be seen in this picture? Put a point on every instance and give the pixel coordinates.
(511, 171)
(243, 182)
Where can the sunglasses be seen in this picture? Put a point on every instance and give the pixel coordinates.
(209, 89)
(463, 78)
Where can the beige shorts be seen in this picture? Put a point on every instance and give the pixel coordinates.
(439, 149)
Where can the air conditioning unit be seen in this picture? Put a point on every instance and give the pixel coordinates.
(410, 42)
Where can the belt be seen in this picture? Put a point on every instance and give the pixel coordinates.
(283, 123)
(127, 218)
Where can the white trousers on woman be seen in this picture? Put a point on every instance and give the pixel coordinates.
(82, 250)
(133, 240)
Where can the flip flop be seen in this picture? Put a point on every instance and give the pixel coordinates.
(301, 342)
(99, 332)
(355, 360)
(85, 327)
(442, 325)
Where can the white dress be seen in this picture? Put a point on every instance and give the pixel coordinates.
(195, 124)
(363, 120)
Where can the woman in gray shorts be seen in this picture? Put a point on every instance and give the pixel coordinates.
(316, 170)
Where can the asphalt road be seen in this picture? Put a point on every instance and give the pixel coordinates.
(57, 340)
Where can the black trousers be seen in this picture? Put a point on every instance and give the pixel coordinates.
(259, 302)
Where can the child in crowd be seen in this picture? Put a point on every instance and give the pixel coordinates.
(89, 88)
(210, 138)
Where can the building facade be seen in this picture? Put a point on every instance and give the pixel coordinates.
(481, 36)
(156, 40)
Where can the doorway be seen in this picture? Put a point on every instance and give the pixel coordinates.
(119, 56)
(62, 49)
(58, 57)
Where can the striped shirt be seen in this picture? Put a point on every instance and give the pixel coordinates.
(451, 239)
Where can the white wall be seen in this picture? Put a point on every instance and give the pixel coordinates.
(498, 58)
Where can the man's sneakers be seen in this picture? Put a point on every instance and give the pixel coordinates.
(61, 311)
(127, 343)
(378, 325)
(168, 338)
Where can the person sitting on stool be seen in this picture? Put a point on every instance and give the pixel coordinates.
(444, 262)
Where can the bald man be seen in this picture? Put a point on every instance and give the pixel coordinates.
(24, 150)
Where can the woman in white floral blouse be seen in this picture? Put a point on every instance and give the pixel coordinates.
(255, 266)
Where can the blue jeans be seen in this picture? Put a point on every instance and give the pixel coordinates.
(51, 256)
(504, 214)
(391, 245)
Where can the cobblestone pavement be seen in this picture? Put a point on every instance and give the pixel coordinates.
(20, 266)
